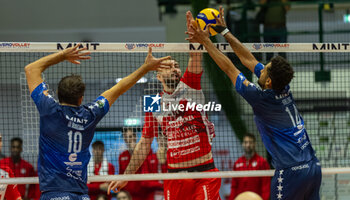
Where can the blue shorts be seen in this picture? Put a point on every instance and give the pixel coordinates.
(63, 196)
(301, 182)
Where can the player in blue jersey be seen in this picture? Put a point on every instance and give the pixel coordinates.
(67, 127)
(298, 172)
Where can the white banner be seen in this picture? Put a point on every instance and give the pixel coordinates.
(171, 47)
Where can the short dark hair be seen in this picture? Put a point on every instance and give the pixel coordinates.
(126, 192)
(126, 129)
(98, 143)
(250, 136)
(17, 139)
(280, 72)
(71, 89)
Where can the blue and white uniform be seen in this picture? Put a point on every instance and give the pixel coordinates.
(298, 172)
(65, 136)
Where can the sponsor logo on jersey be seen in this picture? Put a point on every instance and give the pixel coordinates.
(61, 198)
(73, 157)
(77, 120)
(100, 103)
(177, 153)
(254, 164)
(239, 165)
(300, 167)
(184, 143)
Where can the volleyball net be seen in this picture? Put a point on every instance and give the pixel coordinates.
(321, 89)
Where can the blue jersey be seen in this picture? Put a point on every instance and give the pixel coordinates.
(65, 136)
(278, 121)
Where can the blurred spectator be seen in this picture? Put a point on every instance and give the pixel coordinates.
(123, 195)
(1, 155)
(99, 165)
(21, 168)
(10, 192)
(101, 197)
(274, 20)
(145, 190)
(250, 161)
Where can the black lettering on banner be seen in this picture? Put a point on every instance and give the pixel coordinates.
(89, 46)
(221, 46)
(331, 46)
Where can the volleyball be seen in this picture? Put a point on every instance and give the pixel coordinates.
(206, 17)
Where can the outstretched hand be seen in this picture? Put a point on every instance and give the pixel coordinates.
(156, 63)
(189, 21)
(116, 186)
(73, 54)
(197, 34)
(220, 21)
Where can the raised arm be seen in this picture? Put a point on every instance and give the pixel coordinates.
(239, 49)
(151, 63)
(138, 157)
(195, 61)
(220, 59)
(33, 70)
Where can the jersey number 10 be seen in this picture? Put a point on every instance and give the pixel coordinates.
(75, 141)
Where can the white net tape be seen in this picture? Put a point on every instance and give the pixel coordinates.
(171, 176)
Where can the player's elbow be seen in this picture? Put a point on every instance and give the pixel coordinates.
(29, 69)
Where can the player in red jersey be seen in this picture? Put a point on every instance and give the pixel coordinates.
(99, 166)
(188, 130)
(139, 190)
(250, 161)
(20, 168)
(9, 192)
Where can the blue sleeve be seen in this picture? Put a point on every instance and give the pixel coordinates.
(43, 102)
(99, 107)
(257, 69)
(249, 92)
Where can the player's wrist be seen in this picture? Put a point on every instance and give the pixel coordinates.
(61, 56)
(223, 30)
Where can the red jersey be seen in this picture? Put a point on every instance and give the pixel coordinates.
(183, 121)
(10, 192)
(21, 169)
(141, 190)
(259, 185)
(94, 188)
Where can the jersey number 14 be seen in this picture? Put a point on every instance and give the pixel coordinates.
(295, 120)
